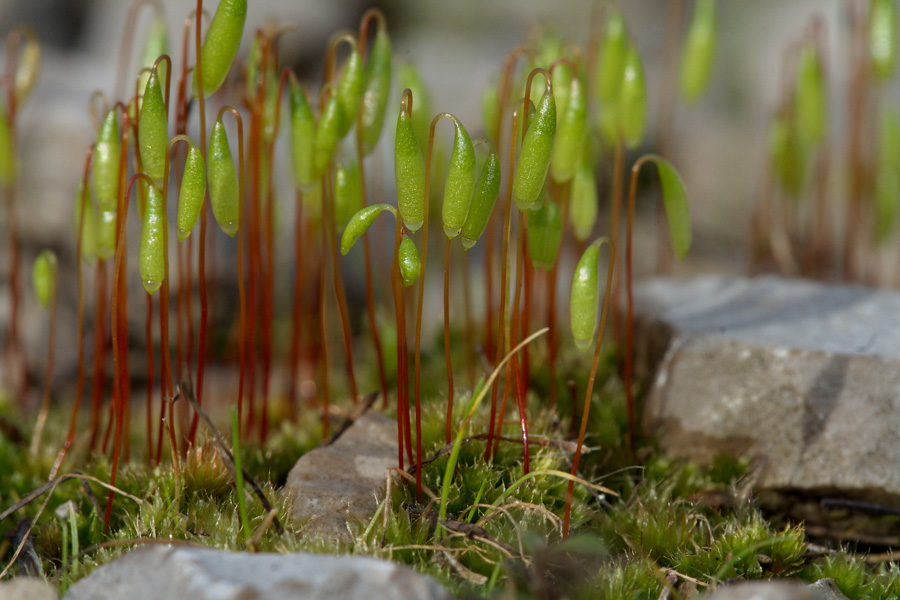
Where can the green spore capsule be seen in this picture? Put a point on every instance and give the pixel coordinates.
(223, 38)
(303, 137)
(43, 276)
(270, 106)
(633, 99)
(883, 38)
(678, 215)
(7, 152)
(787, 155)
(460, 183)
(350, 90)
(155, 45)
(570, 135)
(153, 134)
(409, 171)
(611, 61)
(699, 56)
(328, 134)
(583, 202)
(347, 192)
(490, 100)
(483, 200)
(887, 176)
(192, 192)
(89, 228)
(583, 298)
(28, 69)
(410, 263)
(810, 96)
(151, 256)
(562, 84)
(105, 171)
(360, 222)
(534, 157)
(378, 90)
(224, 194)
(544, 235)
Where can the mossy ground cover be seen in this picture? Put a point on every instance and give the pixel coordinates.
(655, 527)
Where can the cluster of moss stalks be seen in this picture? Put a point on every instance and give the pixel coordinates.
(639, 523)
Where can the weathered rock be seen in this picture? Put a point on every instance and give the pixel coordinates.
(339, 485)
(26, 588)
(160, 572)
(824, 589)
(804, 375)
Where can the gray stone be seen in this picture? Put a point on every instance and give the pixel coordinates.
(157, 572)
(803, 375)
(27, 588)
(824, 589)
(338, 486)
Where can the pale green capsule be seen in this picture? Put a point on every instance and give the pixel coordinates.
(328, 134)
(224, 193)
(192, 192)
(460, 183)
(378, 90)
(350, 90)
(883, 24)
(562, 85)
(583, 298)
(544, 235)
(409, 173)
(105, 171)
(489, 103)
(570, 134)
(410, 262)
(151, 256)
(28, 68)
(810, 96)
(43, 276)
(89, 228)
(534, 157)
(270, 105)
(360, 222)
(303, 138)
(483, 199)
(155, 45)
(223, 38)
(347, 192)
(153, 131)
(583, 202)
(887, 176)
(787, 155)
(633, 99)
(699, 56)
(611, 60)
(678, 215)
(7, 151)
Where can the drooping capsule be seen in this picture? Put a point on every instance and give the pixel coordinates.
(632, 111)
(409, 171)
(43, 276)
(223, 38)
(699, 56)
(678, 215)
(224, 193)
(153, 130)
(7, 151)
(193, 191)
(570, 135)
(328, 134)
(611, 60)
(484, 198)
(562, 84)
(155, 45)
(489, 103)
(151, 256)
(303, 137)
(410, 262)
(583, 201)
(460, 183)
(378, 90)
(28, 68)
(534, 157)
(347, 192)
(359, 223)
(883, 24)
(544, 235)
(583, 298)
(350, 90)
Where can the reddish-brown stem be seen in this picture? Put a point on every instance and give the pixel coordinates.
(148, 333)
(615, 222)
(99, 351)
(521, 388)
(129, 38)
(201, 242)
(447, 357)
(296, 311)
(467, 317)
(323, 333)
(856, 108)
(400, 317)
(590, 388)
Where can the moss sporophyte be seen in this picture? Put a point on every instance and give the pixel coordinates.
(559, 123)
